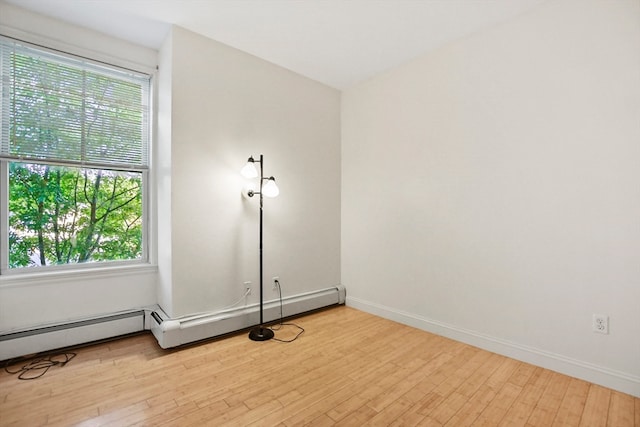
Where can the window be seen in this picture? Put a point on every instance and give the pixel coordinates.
(74, 137)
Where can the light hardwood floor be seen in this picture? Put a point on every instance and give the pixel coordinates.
(349, 368)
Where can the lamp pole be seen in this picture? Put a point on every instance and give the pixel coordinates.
(261, 333)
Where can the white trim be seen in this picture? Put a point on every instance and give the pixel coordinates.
(64, 276)
(4, 218)
(606, 377)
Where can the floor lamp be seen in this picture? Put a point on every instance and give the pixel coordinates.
(268, 189)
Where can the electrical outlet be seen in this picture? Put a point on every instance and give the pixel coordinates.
(601, 323)
(276, 281)
(247, 287)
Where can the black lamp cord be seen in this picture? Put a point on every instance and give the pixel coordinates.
(37, 367)
(281, 324)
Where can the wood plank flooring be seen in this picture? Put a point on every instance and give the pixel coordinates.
(348, 369)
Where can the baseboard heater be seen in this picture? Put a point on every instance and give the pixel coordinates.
(168, 332)
(175, 332)
(49, 337)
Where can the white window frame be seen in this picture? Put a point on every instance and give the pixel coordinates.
(105, 266)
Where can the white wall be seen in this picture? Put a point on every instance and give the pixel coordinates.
(491, 190)
(225, 106)
(33, 300)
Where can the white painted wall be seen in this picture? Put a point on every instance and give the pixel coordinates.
(490, 190)
(225, 106)
(34, 300)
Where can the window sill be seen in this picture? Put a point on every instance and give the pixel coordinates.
(50, 277)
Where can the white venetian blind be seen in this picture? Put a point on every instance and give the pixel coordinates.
(57, 108)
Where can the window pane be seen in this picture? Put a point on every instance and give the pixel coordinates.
(67, 215)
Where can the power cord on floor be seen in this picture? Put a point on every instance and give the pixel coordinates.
(281, 324)
(38, 366)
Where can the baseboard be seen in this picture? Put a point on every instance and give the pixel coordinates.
(616, 380)
(175, 332)
(66, 334)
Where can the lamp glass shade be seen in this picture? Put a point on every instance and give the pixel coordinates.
(249, 170)
(270, 189)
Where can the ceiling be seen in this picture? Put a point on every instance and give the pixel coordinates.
(336, 42)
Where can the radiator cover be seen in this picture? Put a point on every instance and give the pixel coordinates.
(50, 337)
(176, 332)
(169, 332)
